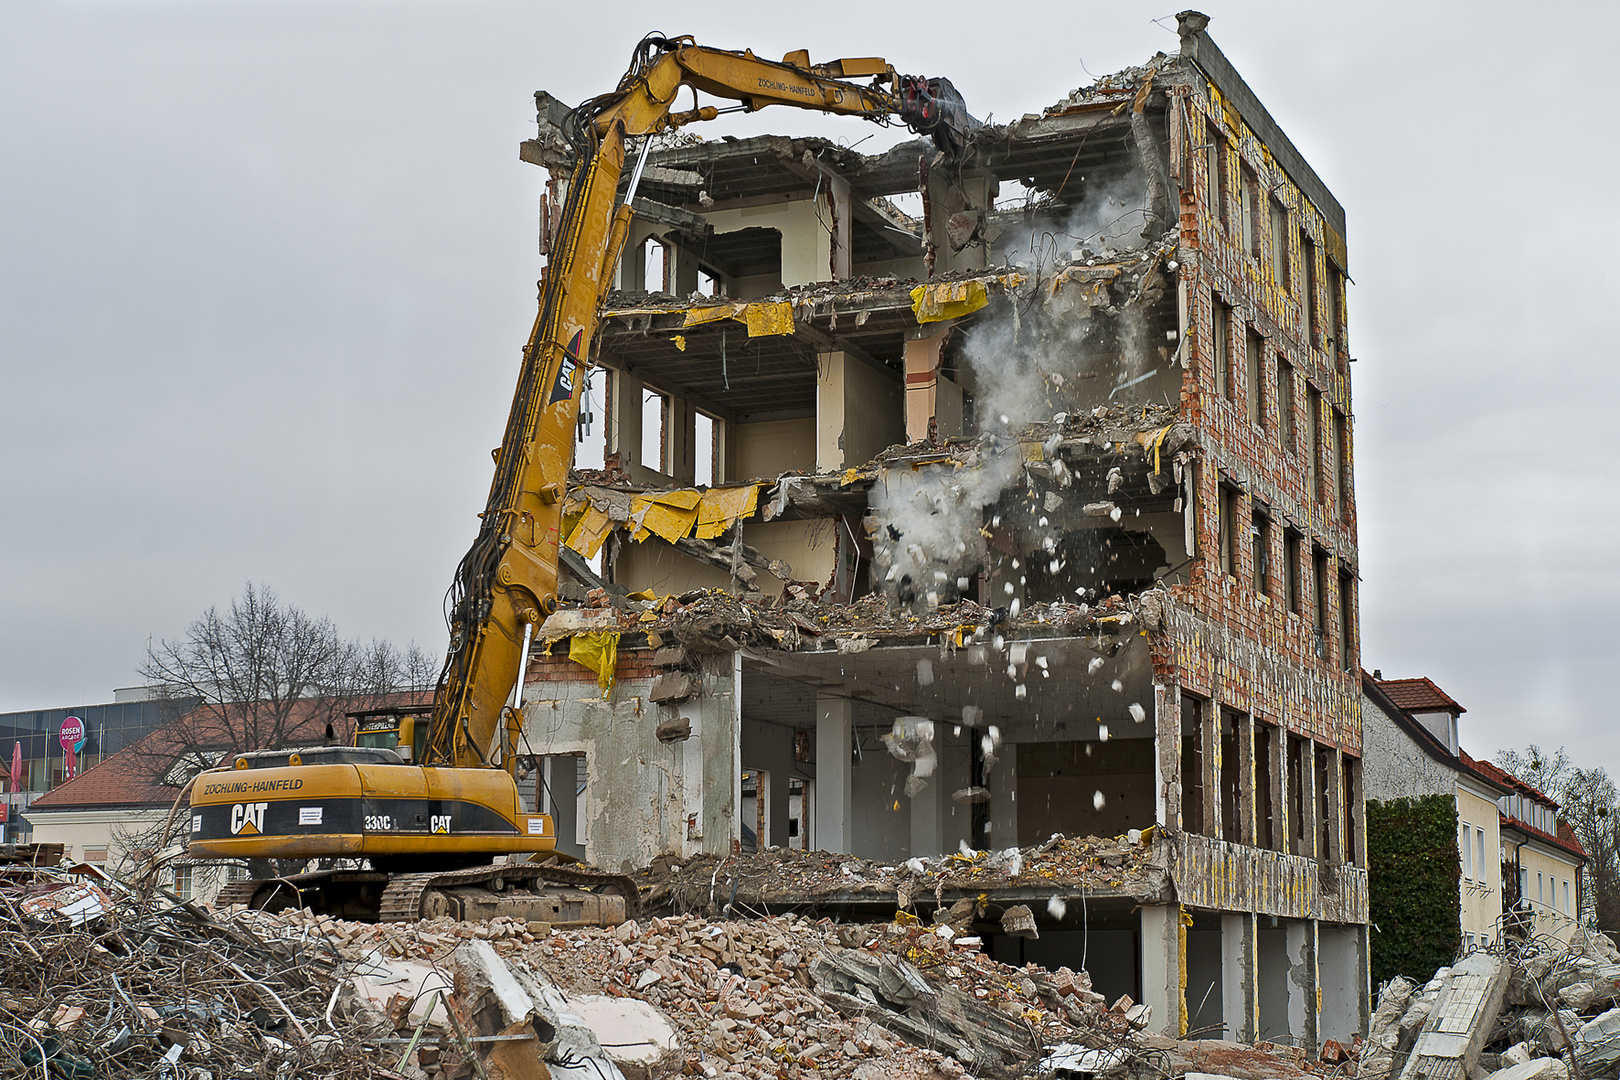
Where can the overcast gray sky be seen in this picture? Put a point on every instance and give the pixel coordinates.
(266, 269)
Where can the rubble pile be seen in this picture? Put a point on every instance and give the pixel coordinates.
(1529, 1011)
(780, 996)
(781, 876)
(97, 983)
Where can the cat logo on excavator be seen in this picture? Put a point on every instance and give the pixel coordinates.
(247, 819)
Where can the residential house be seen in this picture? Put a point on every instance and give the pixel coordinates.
(1512, 850)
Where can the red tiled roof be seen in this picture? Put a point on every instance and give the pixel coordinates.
(1418, 695)
(1565, 838)
(1501, 775)
(126, 779)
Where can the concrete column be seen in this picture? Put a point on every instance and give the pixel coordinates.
(922, 379)
(1213, 824)
(834, 774)
(1161, 965)
(682, 434)
(928, 817)
(1237, 976)
(624, 417)
(1303, 981)
(838, 202)
(1248, 805)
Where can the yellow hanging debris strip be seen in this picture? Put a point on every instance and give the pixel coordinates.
(948, 300)
(599, 652)
(723, 506)
(669, 515)
(680, 341)
(768, 318)
(592, 529)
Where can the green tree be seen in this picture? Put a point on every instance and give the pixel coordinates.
(1586, 801)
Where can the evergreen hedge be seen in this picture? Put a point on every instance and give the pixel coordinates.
(1413, 879)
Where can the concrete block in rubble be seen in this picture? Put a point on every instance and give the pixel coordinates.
(1597, 1045)
(1463, 1017)
(1534, 1069)
(1384, 1040)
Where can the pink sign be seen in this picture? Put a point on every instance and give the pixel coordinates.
(71, 735)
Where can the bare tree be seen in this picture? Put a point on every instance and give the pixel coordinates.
(1587, 801)
(264, 675)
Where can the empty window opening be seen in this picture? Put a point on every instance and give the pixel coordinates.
(1226, 510)
(1347, 610)
(1307, 254)
(1313, 439)
(1299, 802)
(1285, 403)
(1280, 266)
(1319, 582)
(1220, 339)
(1335, 310)
(1293, 543)
(1341, 465)
(1260, 541)
(800, 814)
(654, 265)
(708, 282)
(1217, 177)
(706, 449)
(1232, 724)
(655, 430)
(1324, 808)
(1265, 744)
(1192, 765)
(1254, 371)
(1251, 213)
(1349, 806)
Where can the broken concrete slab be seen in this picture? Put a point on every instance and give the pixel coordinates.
(636, 1036)
(1384, 1031)
(1463, 1016)
(1597, 1044)
(1534, 1069)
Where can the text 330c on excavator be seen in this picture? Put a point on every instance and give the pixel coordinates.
(430, 800)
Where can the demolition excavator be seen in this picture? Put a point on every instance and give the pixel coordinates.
(425, 807)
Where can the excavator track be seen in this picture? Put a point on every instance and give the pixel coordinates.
(402, 895)
(402, 900)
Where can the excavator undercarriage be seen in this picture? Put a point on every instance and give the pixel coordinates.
(534, 892)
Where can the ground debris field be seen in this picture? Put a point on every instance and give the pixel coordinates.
(99, 979)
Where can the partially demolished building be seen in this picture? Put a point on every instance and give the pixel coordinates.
(1027, 512)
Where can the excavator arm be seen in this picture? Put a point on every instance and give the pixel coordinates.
(506, 584)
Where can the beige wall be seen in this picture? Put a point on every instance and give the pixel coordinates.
(1545, 877)
(763, 451)
(80, 830)
(860, 412)
(1481, 884)
(809, 547)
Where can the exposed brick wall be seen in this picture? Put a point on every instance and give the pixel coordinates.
(557, 667)
(1246, 649)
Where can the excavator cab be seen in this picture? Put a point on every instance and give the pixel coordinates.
(404, 729)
